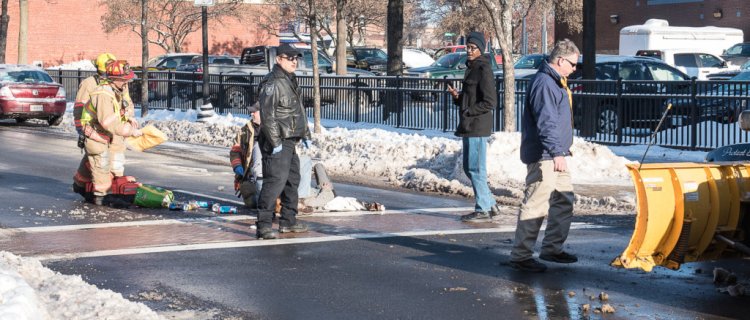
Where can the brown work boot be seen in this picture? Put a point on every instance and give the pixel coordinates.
(298, 227)
(266, 233)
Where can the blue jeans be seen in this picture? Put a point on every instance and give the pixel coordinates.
(475, 167)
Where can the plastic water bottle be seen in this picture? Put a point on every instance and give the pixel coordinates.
(201, 204)
(218, 208)
(176, 206)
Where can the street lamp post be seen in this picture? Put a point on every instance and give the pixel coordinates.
(206, 109)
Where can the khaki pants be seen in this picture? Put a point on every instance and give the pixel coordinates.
(97, 154)
(547, 192)
(117, 156)
(116, 159)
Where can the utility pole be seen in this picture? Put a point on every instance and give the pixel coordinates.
(4, 19)
(23, 30)
(589, 124)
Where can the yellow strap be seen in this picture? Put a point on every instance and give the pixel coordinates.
(564, 82)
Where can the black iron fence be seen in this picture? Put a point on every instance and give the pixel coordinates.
(703, 114)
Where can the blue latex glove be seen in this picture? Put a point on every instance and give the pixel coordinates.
(306, 143)
(276, 150)
(239, 171)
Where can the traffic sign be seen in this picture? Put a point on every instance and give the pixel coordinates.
(200, 3)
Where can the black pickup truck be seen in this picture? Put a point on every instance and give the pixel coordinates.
(237, 84)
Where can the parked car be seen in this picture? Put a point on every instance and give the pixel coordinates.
(737, 54)
(527, 65)
(448, 50)
(416, 59)
(728, 74)
(170, 61)
(28, 92)
(367, 58)
(722, 102)
(452, 66)
(646, 80)
(158, 84)
(694, 63)
(183, 84)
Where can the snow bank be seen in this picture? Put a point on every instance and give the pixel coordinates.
(28, 290)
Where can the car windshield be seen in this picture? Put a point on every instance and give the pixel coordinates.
(371, 53)
(529, 62)
(154, 61)
(448, 61)
(25, 76)
(663, 73)
(323, 61)
(743, 76)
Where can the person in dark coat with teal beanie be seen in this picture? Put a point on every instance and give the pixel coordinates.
(476, 102)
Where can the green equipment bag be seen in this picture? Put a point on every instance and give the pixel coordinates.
(149, 196)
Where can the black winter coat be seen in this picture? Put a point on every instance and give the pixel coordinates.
(281, 113)
(477, 100)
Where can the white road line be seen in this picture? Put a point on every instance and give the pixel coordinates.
(227, 218)
(262, 243)
(130, 224)
(218, 199)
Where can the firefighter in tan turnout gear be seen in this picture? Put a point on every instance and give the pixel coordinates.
(106, 113)
(117, 147)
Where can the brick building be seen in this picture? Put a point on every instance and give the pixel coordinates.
(66, 31)
(613, 15)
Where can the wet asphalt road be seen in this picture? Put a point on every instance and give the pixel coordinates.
(393, 266)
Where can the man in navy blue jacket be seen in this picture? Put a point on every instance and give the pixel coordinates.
(476, 102)
(546, 138)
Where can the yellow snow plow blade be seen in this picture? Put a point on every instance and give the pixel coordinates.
(681, 207)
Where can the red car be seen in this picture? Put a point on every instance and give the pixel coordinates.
(28, 92)
(462, 48)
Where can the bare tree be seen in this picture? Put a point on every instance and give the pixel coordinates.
(340, 37)
(312, 24)
(4, 19)
(171, 21)
(500, 12)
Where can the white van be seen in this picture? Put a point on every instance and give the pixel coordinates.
(695, 63)
(658, 34)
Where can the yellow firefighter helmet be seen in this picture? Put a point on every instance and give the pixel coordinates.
(101, 62)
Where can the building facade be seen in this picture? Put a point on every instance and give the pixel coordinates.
(613, 15)
(61, 32)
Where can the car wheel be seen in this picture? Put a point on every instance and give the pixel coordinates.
(236, 97)
(21, 120)
(608, 120)
(55, 120)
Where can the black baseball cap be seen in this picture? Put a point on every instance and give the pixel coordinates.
(253, 107)
(288, 50)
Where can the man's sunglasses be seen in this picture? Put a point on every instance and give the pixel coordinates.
(292, 59)
(471, 48)
(572, 65)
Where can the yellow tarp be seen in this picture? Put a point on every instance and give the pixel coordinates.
(151, 137)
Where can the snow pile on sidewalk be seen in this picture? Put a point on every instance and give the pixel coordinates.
(435, 164)
(28, 290)
(424, 161)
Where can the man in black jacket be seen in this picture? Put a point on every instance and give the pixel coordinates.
(477, 100)
(284, 125)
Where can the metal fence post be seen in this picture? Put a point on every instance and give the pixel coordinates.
(169, 90)
(221, 93)
(356, 98)
(619, 107)
(693, 114)
(399, 101)
(194, 91)
(446, 101)
(500, 105)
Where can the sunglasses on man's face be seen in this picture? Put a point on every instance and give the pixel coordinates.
(471, 48)
(572, 65)
(292, 59)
